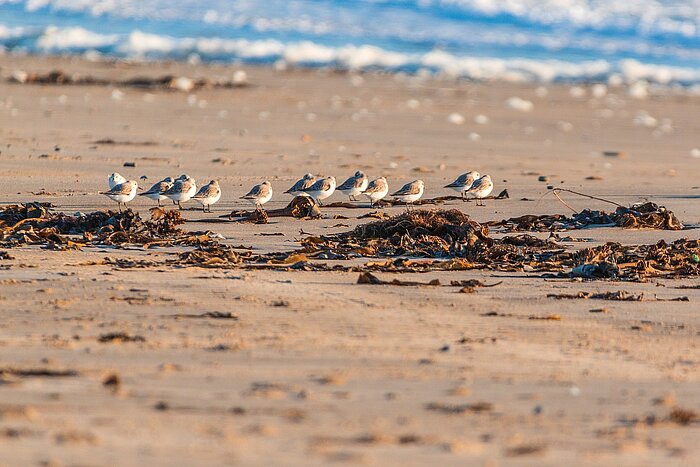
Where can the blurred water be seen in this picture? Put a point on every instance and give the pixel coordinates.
(536, 40)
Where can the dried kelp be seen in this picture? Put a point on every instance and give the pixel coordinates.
(37, 372)
(369, 278)
(639, 216)
(207, 315)
(36, 224)
(683, 416)
(301, 207)
(467, 286)
(211, 256)
(459, 409)
(614, 260)
(120, 337)
(620, 295)
(415, 241)
(436, 234)
(450, 240)
(163, 82)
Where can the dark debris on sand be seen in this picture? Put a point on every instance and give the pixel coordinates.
(462, 243)
(36, 224)
(300, 207)
(415, 241)
(163, 82)
(639, 216)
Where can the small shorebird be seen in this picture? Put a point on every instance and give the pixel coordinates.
(182, 190)
(481, 188)
(156, 191)
(464, 182)
(302, 184)
(354, 185)
(322, 189)
(410, 192)
(376, 190)
(122, 193)
(115, 179)
(259, 194)
(209, 194)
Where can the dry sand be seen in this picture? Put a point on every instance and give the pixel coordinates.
(318, 369)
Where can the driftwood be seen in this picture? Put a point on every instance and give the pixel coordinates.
(301, 207)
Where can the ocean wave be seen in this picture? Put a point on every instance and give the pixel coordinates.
(537, 40)
(669, 17)
(142, 45)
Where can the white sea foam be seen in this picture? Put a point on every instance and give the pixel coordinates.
(517, 103)
(138, 44)
(678, 17)
(55, 39)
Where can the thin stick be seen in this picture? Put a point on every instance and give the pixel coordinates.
(563, 202)
(556, 190)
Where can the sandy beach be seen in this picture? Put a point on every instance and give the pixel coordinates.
(312, 368)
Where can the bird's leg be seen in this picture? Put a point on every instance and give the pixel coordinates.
(179, 206)
(159, 202)
(204, 208)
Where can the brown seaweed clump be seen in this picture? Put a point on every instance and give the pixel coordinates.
(36, 224)
(212, 256)
(639, 216)
(614, 260)
(436, 234)
(301, 207)
(454, 241)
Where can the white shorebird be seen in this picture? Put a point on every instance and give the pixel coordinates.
(322, 189)
(481, 188)
(122, 193)
(464, 182)
(116, 179)
(376, 190)
(182, 190)
(410, 192)
(259, 194)
(209, 194)
(157, 189)
(354, 185)
(302, 184)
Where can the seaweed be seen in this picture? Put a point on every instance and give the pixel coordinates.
(120, 337)
(638, 216)
(163, 82)
(301, 207)
(455, 242)
(211, 256)
(35, 224)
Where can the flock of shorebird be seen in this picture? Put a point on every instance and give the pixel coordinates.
(183, 189)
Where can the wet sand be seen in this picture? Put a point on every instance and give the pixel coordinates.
(317, 369)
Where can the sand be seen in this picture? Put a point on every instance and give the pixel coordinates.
(317, 369)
